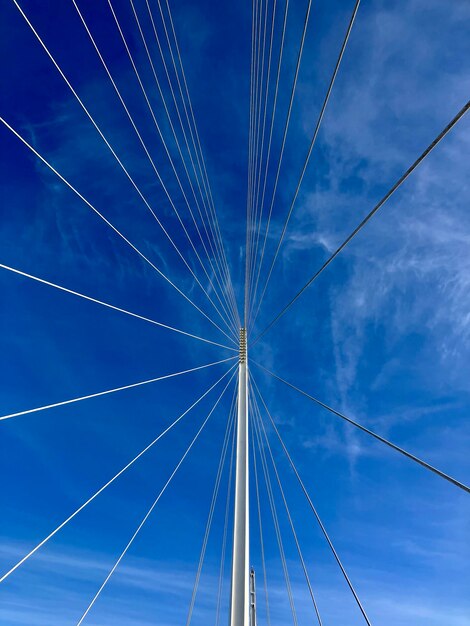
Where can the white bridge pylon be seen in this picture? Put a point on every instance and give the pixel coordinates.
(240, 591)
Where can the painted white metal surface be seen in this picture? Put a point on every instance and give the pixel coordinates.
(240, 593)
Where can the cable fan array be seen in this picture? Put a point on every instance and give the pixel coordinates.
(193, 232)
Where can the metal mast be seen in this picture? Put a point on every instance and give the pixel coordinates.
(240, 592)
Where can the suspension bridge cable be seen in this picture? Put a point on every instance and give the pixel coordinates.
(225, 531)
(258, 152)
(121, 99)
(261, 14)
(226, 306)
(254, 107)
(144, 92)
(258, 92)
(270, 492)
(254, 15)
(250, 159)
(263, 559)
(154, 504)
(268, 151)
(198, 154)
(210, 516)
(109, 146)
(314, 510)
(258, 79)
(409, 455)
(204, 167)
(167, 152)
(291, 102)
(309, 153)
(262, 429)
(111, 480)
(220, 268)
(114, 228)
(131, 119)
(109, 391)
(113, 307)
(263, 131)
(254, 5)
(180, 152)
(262, 90)
(255, 125)
(371, 214)
(205, 177)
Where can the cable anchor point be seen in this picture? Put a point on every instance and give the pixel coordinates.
(242, 350)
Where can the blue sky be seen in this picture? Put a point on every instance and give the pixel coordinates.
(383, 335)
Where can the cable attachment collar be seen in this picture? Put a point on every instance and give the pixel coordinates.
(242, 345)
